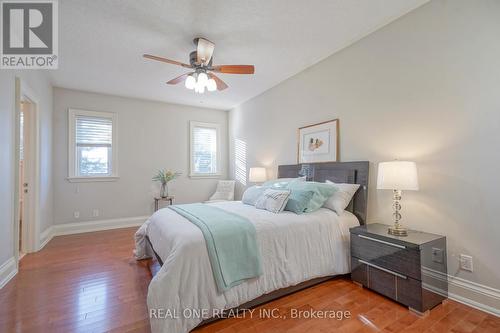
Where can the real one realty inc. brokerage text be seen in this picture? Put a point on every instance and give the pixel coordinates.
(273, 313)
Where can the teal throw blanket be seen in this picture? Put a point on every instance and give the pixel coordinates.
(231, 243)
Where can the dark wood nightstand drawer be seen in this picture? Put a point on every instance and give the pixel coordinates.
(382, 282)
(359, 272)
(394, 257)
(401, 288)
(410, 293)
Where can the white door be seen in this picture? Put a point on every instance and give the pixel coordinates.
(27, 177)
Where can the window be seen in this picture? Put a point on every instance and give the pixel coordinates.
(92, 151)
(205, 149)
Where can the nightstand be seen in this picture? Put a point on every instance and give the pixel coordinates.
(169, 199)
(410, 270)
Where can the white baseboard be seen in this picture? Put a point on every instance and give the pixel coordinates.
(473, 304)
(45, 237)
(479, 296)
(89, 226)
(7, 271)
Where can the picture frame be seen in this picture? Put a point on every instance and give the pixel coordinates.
(318, 143)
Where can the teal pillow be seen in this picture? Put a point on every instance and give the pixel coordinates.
(299, 201)
(251, 194)
(282, 183)
(321, 192)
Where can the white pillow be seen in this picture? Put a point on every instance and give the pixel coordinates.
(341, 198)
(273, 200)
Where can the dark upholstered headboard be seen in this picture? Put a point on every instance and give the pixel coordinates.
(338, 172)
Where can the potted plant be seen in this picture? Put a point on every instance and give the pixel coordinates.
(165, 176)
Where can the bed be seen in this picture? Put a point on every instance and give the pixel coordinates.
(297, 251)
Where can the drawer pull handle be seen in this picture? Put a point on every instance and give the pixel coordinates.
(383, 242)
(382, 269)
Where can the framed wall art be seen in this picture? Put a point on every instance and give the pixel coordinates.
(319, 142)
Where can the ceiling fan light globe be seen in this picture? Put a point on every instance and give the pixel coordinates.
(202, 79)
(190, 82)
(211, 85)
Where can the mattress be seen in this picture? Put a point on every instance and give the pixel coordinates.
(294, 248)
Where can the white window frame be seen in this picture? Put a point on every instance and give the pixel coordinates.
(192, 173)
(72, 151)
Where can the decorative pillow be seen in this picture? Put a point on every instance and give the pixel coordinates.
(298, 201)
(251, 194)
(282, 183)
(342, 196)
(321, 192)
(273, 200)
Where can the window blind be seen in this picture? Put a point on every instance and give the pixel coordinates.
(205, 150)
(94, 131)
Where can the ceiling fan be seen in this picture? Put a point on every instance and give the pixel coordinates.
(203, 75)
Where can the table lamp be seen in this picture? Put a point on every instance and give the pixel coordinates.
(397, 176)
(257, 175)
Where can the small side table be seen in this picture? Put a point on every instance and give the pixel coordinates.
(401, 268)
(169, 199)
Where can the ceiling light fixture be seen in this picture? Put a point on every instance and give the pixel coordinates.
(211, 85)
(190, 82)
(200, 61)
(199, 81)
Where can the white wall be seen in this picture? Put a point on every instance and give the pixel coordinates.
(41, 86)
(151, 135)
(424, 88)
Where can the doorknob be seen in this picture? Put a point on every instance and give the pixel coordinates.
(25, 190)
(25, 185)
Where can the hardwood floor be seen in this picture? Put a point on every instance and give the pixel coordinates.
(91, 283)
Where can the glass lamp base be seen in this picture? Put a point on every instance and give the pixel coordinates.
(398, 231)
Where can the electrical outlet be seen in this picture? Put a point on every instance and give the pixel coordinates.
(76, 214)
(95, 213)
(437, 255)
(466, 262)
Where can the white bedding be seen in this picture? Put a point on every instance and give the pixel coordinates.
(294, 248)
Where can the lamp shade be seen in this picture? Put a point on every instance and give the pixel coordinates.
(257, 175)
(397, 175)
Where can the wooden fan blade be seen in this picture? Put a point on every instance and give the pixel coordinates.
(179, 79)
(221, 85)
(204, 51)
(234, 69)
(168, 61)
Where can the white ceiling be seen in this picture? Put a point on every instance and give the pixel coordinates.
(101, 42)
